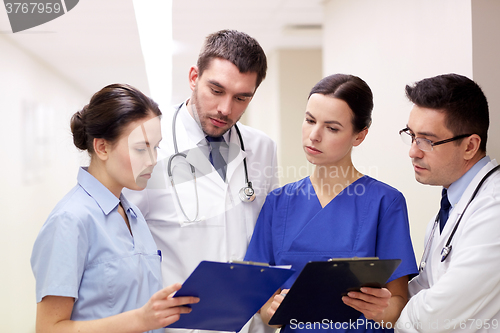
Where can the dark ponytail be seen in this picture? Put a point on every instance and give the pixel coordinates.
(109, 111)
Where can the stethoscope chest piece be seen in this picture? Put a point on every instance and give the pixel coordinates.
(247, 193)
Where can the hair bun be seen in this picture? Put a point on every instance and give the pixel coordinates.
(78, 129)
(108, 112)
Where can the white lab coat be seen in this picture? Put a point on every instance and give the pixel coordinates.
(225, 223)
(461, 294)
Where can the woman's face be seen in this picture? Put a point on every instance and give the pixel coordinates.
(133, 156)
(327, 131)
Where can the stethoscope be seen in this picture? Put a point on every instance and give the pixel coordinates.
(246, 194)
(447, 249)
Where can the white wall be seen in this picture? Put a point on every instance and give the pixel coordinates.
(279, 105)
(263, 111)
(391, 43)
(38, 166)
(486, 66)
(299, 70)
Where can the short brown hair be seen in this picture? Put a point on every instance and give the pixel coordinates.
(238, 48)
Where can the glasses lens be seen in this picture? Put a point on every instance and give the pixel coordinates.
(424, 144)
(406, 137)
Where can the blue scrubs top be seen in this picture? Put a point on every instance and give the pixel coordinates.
(367, 219)
(85, 251)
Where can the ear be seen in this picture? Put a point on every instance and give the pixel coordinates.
(471, 145)
(360, 137)
(101, 149)
(193, 77)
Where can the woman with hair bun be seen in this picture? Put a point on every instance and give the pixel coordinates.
(96, 265)
(337, 212)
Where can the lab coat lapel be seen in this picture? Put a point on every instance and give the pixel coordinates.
(195, 156)
(464, 200)
(440, 240)
(185, 141)
(203, 167)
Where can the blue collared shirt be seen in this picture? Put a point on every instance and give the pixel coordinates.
(86, 251)
(457, 188)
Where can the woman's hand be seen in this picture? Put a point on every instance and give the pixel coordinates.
(54, 315)
(372, 302)
(163, 309)
(277, 299)
(382, 305)
(268, 309)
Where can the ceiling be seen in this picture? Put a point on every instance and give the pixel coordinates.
(97, 42)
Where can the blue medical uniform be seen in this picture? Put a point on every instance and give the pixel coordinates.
(367, 219)
(85, 251)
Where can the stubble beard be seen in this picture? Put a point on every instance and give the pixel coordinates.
(203, 120)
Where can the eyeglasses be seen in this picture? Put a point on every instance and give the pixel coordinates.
(425, 144)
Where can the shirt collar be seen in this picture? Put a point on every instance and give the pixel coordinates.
(457, 188)
(127, 206)
(103, 197)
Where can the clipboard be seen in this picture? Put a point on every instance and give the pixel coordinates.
(317, 293)
(230, 293)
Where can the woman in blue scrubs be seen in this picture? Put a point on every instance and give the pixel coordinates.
(337, 212)
(96, 264)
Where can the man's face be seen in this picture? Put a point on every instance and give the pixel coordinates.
(445, 163)
(220, 96)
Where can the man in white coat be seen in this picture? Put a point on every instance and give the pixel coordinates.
(458, 288)
(210, 218)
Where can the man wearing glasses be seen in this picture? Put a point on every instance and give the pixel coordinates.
(458, 288)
